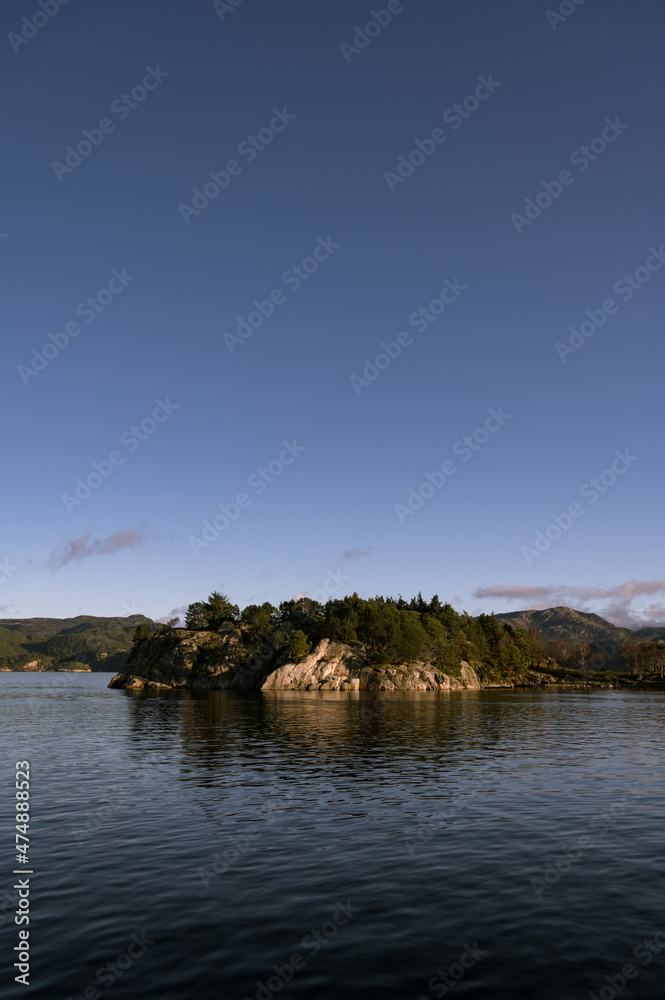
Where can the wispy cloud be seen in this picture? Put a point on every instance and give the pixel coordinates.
(359, 553)
(299, 595)
(178, 613)
(613, 603)
(76, 549)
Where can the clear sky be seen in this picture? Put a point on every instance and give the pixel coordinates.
(496, 166)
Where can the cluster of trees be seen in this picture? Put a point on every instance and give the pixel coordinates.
(390, 630)
(643, 658)
(639, 657)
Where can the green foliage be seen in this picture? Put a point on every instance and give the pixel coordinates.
(259, 614)
(303, 614)
(141, 631)
(102, 643)
(209, 615)
(297, 648)
(12, 652)
(389, 630)
(397, 631)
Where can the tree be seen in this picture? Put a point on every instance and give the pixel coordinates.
(141, 631)
(258, 614)
(209, 615)
(167, 627)
(196, 617)
(298, 647)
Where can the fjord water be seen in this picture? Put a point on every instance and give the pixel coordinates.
(426, 816)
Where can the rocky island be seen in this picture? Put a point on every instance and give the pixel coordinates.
(381, 644)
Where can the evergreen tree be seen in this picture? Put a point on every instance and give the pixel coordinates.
(209, 615)
(259, 614)
(297, 648)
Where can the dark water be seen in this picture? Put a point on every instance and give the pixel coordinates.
(425, 817)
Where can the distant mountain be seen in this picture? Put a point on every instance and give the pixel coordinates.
(574, 626)
(651, 634)
(67, 643)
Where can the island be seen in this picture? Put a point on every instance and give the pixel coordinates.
(386, 644)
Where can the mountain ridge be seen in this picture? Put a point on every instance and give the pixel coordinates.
(85, 641)
(103, 643)
(562, 622)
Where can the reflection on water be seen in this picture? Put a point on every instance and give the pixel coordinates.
(492, 844)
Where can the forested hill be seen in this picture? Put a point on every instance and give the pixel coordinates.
(388, 629)
(383, 629)
(67, 643)
(568, 624)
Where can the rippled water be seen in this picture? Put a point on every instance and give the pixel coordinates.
(224, 829)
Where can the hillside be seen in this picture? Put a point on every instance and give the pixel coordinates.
(651, 633)
(384, 644)
(578, 639)
(391, 631)
(568, 624)
(102, 644)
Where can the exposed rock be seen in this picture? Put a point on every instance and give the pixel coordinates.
(229, 658)
(218, 660)
(332, 666)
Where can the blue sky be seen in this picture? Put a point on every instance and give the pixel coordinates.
(565, 111)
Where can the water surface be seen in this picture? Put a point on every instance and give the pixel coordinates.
(223, 829)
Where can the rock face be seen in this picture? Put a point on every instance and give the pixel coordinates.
(334, 666)
(223, 660)
(200, 660)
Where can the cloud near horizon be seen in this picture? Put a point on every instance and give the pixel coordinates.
(76, 549)
(178, 613)
(359, 553)
(616, 602)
